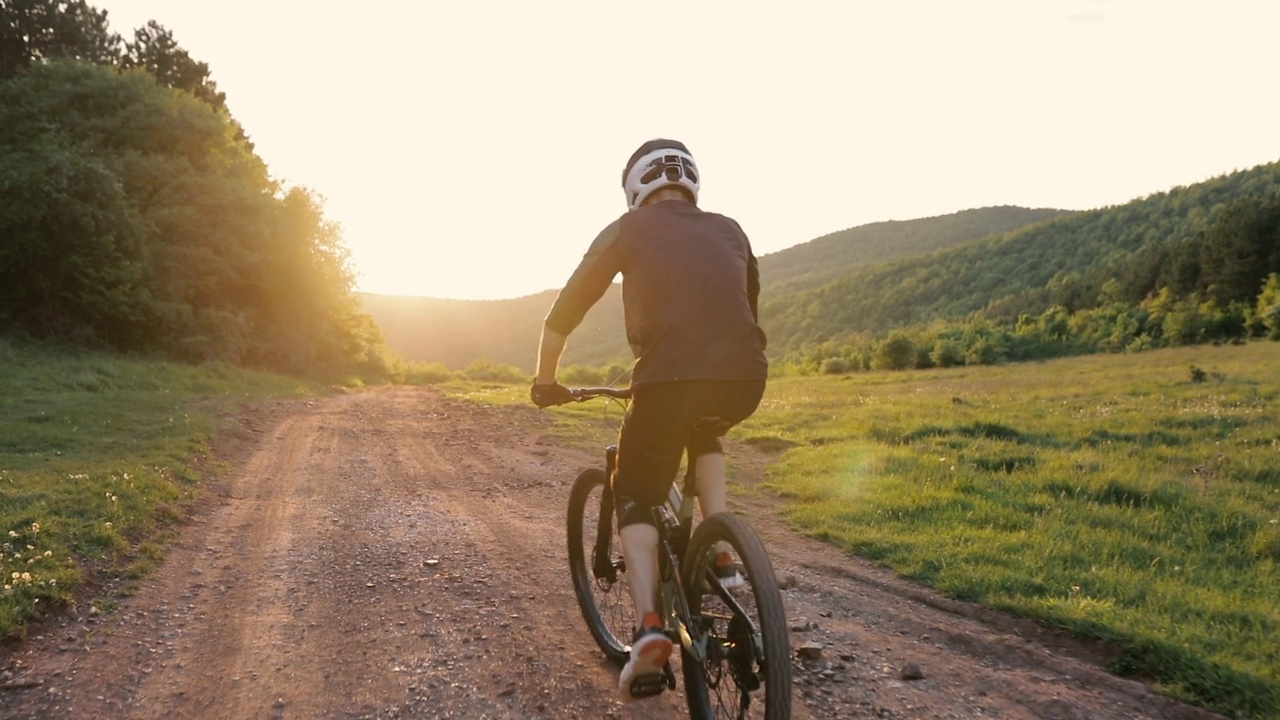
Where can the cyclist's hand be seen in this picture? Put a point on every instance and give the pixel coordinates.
(550, 394)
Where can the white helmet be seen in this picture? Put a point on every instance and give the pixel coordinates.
(658, 164)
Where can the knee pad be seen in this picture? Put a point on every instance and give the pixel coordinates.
(633, 512)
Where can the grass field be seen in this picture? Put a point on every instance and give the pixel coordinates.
(97, 456)
(1134, 499)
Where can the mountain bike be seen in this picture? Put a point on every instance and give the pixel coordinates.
(735, 653)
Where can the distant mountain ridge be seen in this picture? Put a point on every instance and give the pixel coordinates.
(459, 332)
(831, 256)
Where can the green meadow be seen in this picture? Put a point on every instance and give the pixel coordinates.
(98, 457)
(1134, 499)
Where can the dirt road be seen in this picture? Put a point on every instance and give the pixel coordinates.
(397, 554)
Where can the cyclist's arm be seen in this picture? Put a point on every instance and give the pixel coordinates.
(585, 287)
(593, 276)
(549, 350)
(753, 285)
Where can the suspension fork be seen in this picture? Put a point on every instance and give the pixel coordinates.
(602, 556)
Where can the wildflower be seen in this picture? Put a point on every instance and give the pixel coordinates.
(108, 525)
(26, 577)
(17, 576)
(48, 553)
(13, 533)
(35, 528)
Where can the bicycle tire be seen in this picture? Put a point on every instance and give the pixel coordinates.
(606, 606)
(715, 688)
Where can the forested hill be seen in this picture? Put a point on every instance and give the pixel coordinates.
(1180, 240)
(458, 332)
(829, 257)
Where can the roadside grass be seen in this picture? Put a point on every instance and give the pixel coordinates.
(98, 455)
(1113, 496)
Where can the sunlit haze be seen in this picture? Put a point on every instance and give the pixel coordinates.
(473, 150)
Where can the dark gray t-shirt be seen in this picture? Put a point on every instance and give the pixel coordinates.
(690, 287)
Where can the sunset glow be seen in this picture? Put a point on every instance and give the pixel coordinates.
(473, 150)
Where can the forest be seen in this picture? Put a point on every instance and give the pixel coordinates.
(136, 217)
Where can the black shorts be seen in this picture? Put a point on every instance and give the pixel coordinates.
(660, 424)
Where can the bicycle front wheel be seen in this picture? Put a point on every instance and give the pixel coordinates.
(595, 561)
(741, 623)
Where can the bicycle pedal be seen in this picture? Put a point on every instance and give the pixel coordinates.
(648, 684)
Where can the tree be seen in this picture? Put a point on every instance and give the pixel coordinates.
(134, 218)
(153, 49)
(44, 29)
(897, 352)
(1268, 307)
(72, 264)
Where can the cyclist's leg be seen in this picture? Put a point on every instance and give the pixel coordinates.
(649, 448)
(732, 402)
(640, 551)
(710, 467)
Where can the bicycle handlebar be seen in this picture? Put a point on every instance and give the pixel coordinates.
(583, 394)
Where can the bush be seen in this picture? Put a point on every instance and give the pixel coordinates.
(946, 353)
(422, 373)
(895, 353)
(495, 372)
(835, 366)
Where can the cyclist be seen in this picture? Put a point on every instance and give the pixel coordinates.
(690, 290)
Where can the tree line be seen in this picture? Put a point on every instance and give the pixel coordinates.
(135, 215)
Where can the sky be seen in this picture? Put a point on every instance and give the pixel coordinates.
(473, 150)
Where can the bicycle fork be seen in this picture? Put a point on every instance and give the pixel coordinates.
(603, 565)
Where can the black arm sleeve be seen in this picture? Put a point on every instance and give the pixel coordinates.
(753, 285)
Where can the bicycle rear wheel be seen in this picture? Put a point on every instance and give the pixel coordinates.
(599, 574)
(747, 671)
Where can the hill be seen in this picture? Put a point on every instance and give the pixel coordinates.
(829, 257)
(1185, 239)
(458, 332)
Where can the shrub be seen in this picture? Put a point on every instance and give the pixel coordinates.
(835, 366)
(422, 373)
(895, 353)
(496, 372)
